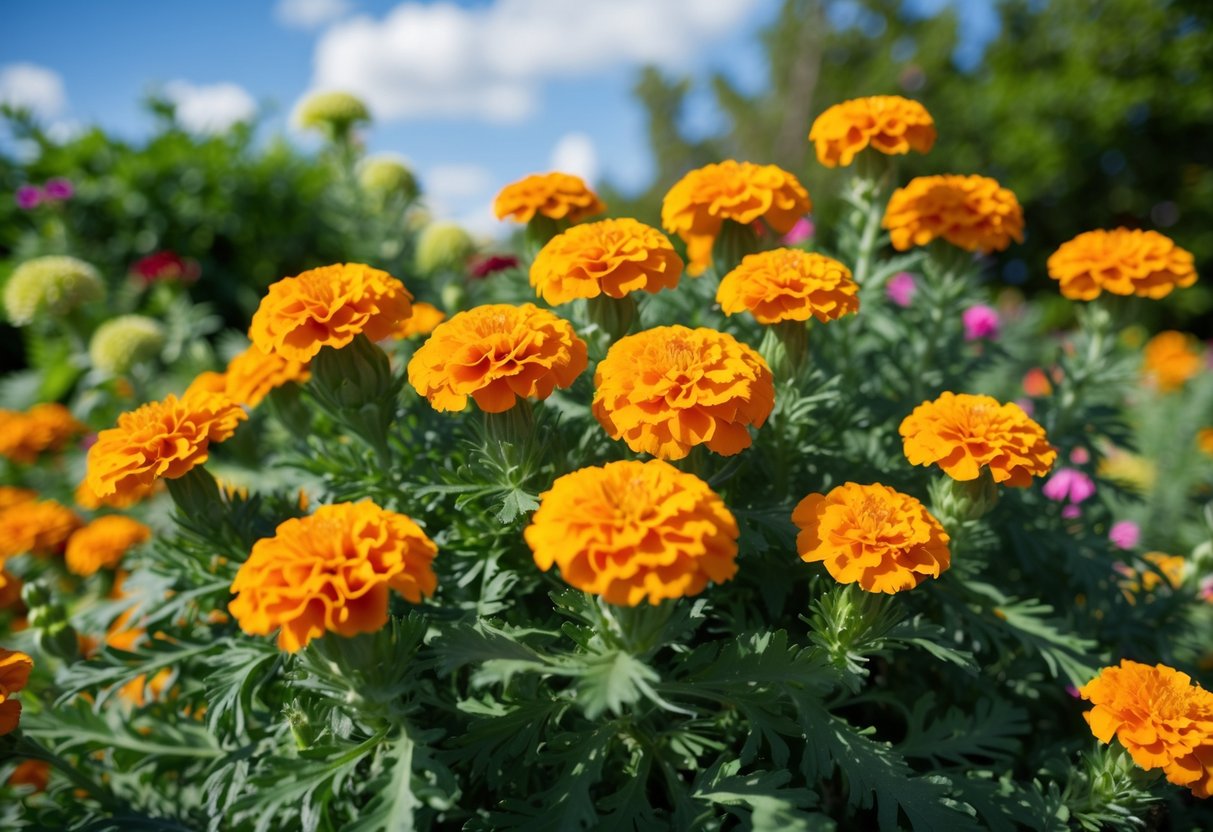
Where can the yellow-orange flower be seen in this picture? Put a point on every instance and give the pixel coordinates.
(972, 212)
(41, 528)
(1123, 262)
(252, 374)
(33, 773)
(425, 317)
(102, 543)
(697, 206)
(10, 588)
(1169, 568)
(208, 381)
(871, 535)
(15, 668)
(1204, 440)
(633, 531)
(44, 427)
(611, 257)
(331, 571)
(1170, 359)
(962, 434)
(665, 390)
(328, 307)
(162, 439)
(788, 284)
(1161, 718)
(496, 354)
(888, 123)
(86, 498)
(557, 196)
(11, 495)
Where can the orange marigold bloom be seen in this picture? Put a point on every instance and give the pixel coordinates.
(1123, 262)
(557, 196)
(888, 123)
(1161, 718)
(15, 668)
(208, 381)
(788, 284)
(33, 773)
(102, 543)
(252, 374)
(972, 212)
(1171, 358)
(881, 539)
(123, 634)
(699, 203)
(1170, 568)
(332, 571)
(11, 495)
(496, 354)
(1204, 440)
(425, 317)
(328, 307)
(159, 439)
(44, 427)
(41, 528)
(633, 531)
(962, 434)
(611, 257)
(86, 498)
(10, 588)
(668, 389)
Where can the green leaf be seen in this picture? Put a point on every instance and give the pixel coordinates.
(761, 800)
(612, 681)
(393, 803)
(955, 737)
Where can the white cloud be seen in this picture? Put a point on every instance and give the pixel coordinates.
(440, 59)
(310, 14)
(575, 153)
(456, 181)
(35, 87)
(210, 108)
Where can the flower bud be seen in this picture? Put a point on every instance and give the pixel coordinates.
(384, 176)
(55, 284)
(955, 502)
(443, 246)
(332, 113)
(125, 341)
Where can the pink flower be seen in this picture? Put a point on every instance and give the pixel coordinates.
(801, 231)
(28, 197)
(1069, 484)
(981, 323)
(1206, 589)
(1026, 405)
(1071, 512)
(1080, 456)
(58, 189)
(1125, 534)
(901, 289)
(1073, 691)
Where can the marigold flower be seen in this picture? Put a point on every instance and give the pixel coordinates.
(962, 434)
(41, 528)
(86, 498)
(788, 284)
(634, 531)
(881, 539)
(252, 374)
(11, 495)
(611, 257)
(44, 427)
(122, 342)
(1161, 718)
(54, 284)
(557, 196)
(162, 439)
(1204, 440)
(888, 123)
(424, 319)
(33, 773)
(496, 354)
(332, 571)
(699, 203)
(1168, 568)
(328, 307)
(972, 212)
(10, 588)
(1170, 358)
(668, 389)
(208, 381)
(15, 668)
(1122, 262)
(102, 543)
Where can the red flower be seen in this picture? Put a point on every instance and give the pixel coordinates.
(165, 265)
(489, 264)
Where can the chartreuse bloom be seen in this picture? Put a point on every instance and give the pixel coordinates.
(54, 285)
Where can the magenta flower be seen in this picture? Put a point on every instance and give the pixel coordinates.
(58, 189)
(1080, 456)
(1069, 484)
(981, 323)
(901, 289)
(1071, 512)
(1125, 534)
(28, 197)
(1206, 589)
(801, 231)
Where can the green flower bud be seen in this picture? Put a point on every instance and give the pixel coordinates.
(55, 284)
(332, 113)
(443, 246)
(384, 176)
(125, 341)
(955, 503)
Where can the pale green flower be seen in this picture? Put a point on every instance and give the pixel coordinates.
(125, 341)
(54, 285)
(385, 176)
(443, 246)
(333, 113)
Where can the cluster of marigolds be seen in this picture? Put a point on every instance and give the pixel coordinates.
(634, 531)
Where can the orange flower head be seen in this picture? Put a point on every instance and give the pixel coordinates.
(888, 123)
(963, 434)
(208, 381)
(788, 284)
(102, 543)
(697, 206)
(1204, 440)
(1170, 359)
(633, 531)
(972, 212)
(1161, 718)
(425, 317)
(15, 668)
(33, 773)
(871, 535)
(557, 196)
(252, 374)
(86, 498)
(331, 571)
(667, 389)
(497, 354)
(11, 495)
(41, 528)
(10, 589)
(1167, 568)
(1122, 262)
(611, 257)
(44, 427)
(162, 439)
(328, 307)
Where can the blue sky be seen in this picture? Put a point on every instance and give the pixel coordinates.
(473, 93)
